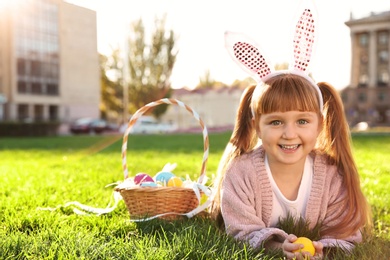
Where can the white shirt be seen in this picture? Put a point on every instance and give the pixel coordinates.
(281, 205)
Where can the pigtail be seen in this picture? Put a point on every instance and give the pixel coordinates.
(242, 140)
(335, 140)
(244, 136)
(335, 137)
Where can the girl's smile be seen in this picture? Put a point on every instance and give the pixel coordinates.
(289, 148)
(288, 137)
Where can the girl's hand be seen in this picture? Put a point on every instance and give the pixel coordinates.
(319, 247)
(289, 247)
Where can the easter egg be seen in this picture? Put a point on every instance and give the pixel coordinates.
(148, 184)
(163, 177)
(307, 245)
(142, 177)
(175, 182)
(203, 199)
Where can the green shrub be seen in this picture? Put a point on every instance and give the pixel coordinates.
(29, 129)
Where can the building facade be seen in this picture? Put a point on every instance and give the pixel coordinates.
(49, 63)
(367, 98)
(216, 107)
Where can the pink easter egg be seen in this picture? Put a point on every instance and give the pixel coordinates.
(142, 177)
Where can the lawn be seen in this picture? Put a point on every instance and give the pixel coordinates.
(47, 172)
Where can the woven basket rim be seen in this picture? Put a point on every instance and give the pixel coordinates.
(169, 101)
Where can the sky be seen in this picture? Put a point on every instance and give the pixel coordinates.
(200, 26)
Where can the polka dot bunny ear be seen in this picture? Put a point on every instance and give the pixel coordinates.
(247, 54)
(303, 41)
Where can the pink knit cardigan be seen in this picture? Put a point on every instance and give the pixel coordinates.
(246, 200)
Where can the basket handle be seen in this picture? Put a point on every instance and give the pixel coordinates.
(168, 101)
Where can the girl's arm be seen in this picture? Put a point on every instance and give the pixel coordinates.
(242, 210)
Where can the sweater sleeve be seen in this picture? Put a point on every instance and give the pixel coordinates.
(241, 205)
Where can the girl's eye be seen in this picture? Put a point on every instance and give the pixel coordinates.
(276, 122)
(302, 121)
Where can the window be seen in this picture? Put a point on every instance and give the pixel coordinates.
(37, 47)
(22, 66)
(54, 72)
(22, 112)
(362, 97)
(38, 112)
(364, 58)
(36, 88)
(45, 69)
(363, 80)
(52, 89)
(363, 40)
(53, 113)
(381, 96)
(22, 87)
(383, 38)
(383, 56)
(383, 78)
(36, 68)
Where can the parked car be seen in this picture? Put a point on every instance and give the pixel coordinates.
(90, 125)
(361, 127)
(149, 125)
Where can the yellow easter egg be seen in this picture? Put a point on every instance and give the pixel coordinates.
(203, 199)
(175, 182)
(307, 245)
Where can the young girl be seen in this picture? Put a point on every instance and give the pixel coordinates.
(304, 167)
(289, 155)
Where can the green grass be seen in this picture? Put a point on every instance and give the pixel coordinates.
(46, 172)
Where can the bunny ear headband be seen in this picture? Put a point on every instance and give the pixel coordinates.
(247, 54)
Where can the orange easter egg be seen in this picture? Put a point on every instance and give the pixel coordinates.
(175, 182)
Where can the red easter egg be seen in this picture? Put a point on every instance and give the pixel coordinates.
(142, 177)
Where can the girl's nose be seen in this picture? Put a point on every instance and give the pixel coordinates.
(289, 131)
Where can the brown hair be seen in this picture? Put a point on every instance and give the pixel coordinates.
(287, 92)
(335, 141)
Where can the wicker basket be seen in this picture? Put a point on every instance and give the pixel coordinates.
(168, 203)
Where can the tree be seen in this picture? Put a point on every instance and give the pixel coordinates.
(111, 88)
(284, 66)
(242, 84)
(250, 81)
(281, 66)
(207, 82)
(150, 65)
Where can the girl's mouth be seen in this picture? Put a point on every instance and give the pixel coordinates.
(289, 147)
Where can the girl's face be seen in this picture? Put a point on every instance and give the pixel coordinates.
(288, 137)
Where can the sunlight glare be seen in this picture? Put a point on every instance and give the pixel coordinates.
(4, 3)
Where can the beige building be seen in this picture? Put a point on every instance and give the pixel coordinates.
(216, 107)
(49, 63)
(367, 98)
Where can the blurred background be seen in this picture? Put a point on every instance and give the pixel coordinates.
(100, 61)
